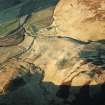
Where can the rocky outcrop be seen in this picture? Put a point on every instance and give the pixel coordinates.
(51, 69)
(81, 19)
(54, 71)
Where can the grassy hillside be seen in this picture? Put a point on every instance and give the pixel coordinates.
(12, 10)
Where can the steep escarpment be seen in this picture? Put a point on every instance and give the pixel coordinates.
(50, 73)
(48, 68)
